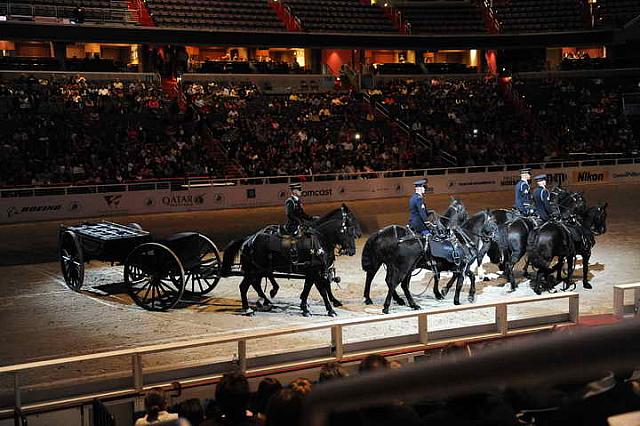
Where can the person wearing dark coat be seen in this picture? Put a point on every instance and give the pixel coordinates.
(541, 198)
(296, 215)
(418, 213)
(523, 193)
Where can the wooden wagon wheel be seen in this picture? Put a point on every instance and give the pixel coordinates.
(154, 277)
(71, 260)
(204, 277)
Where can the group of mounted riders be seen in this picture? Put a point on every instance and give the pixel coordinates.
(543, 224)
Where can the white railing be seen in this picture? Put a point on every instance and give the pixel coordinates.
(90, 14)
(337, 350)
(196, 181)
(619, 308)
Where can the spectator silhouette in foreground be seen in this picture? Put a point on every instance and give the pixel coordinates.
(155, 405)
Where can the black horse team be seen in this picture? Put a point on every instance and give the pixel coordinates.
(543, 224)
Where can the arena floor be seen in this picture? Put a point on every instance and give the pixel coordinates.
(42, 318)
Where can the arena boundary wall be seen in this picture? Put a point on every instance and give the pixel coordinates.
(199, 194)
(139, 379)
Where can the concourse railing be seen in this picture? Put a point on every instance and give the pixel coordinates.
(620, 309)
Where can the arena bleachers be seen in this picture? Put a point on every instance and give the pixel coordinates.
(540, 15)
(254, 15)
(340, 16)
(443, 17)
(616, 12)
(90, 11)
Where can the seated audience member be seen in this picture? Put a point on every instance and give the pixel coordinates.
(373, 362)
(155, 404)
(331, 371)
(232, 396)
(266, 389)
(192, 411)
(285, 408)
(301, 385)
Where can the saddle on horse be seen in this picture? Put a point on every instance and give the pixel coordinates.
(302, 248)
(440, 243)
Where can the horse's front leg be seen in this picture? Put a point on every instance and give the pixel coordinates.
(274, 286)
(570, 271)
(336, 303)
(304, 296)
(472, 287)
(436, 290)
(407, 293)
(585, 271)
(322, 284)
(459, 284)
(266, 303)
(244, 289)
(367, 287)
(449, 284)
(559, 268)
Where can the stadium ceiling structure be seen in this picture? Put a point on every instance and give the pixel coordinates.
(195, 37)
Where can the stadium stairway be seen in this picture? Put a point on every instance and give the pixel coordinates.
(216, 151)
(138, 8)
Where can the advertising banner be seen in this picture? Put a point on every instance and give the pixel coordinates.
(77, 206)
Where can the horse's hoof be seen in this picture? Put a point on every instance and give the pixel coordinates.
(486, 279)
(537, 291)
(368, 301)
(401, 301)
(248, 312)
(337, 303)
(306, 314)
(512, 289)
(332, 313)
(456, 302)
(273, 292)
(385, 310)
(471, 299)
(587, 285)
(416, 307)
(439, 296)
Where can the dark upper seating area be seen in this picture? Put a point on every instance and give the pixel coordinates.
(102, 11)
(444, 18)
(254, 15)
(617, 12)
(340, 16)
(539, 15)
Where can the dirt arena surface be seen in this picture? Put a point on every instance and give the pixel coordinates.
(42, 318)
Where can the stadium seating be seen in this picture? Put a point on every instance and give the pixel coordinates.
(540, 15)
(92, 10)
(444, 18)
(340, 16)
(617, 12)
(255, 15)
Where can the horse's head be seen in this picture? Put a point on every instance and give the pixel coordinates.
(598, 216)
(489, 229)
(342, 227)
(456, 213)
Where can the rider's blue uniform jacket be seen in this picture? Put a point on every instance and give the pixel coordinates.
(543, 204)
(523, 197)
(418, 213)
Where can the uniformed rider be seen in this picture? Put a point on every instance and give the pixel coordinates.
(418, 213)
(523, 193)
(296, 215)
(542, 198)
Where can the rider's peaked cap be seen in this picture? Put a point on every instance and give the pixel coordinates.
(420, 182)
(525, 170)
(295, 185)
(540, 177)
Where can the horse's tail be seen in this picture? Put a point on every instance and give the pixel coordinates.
(369, 259)
(230, 253)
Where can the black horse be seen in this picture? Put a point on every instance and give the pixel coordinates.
(513, 231)
(402, 256)
(377, 243)
(565, 239)
(311, 257)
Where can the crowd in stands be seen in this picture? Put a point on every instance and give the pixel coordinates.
(584, 402)
(306, 134)
(79, 131)
(484, 121)
(94, 132)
